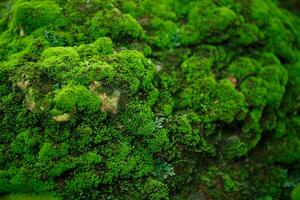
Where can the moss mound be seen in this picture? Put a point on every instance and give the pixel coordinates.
(148, 99)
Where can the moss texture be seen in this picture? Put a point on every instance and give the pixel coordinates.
(148, 99)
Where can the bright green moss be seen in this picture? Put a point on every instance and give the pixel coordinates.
(243, 67)
(80, 184)
(53, 37)
(248, 34)
(115, 24)
(101, 46)
(226, 17)
(217, 100)
(91, 158)
(126, 162)
(71, 98)
(94, 73)
(206, 19)
(195, 67)
(159, 139)
(138, 119)
(29, 16)
(134, 70)
(60, 55)
(167, 33)
(58, 62)
(276, 79)
(227, 103)
(194, 99)
(280, 39)
(260, 11)
(182, 131)
(254, 90)
(25, 142)
(49, 151)
(166, 103)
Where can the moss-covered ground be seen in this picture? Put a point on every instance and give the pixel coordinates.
(150, 99)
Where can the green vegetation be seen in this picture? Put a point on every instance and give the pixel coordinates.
(148, 99)
(28, 197)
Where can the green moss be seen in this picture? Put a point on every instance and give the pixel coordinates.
(126, 72)
(227, 103)
(91, 158)
(248, 34)
(260, 11)
(82, 182)
(101, 46)
(217, 100)
(29, 16)
(281, 151)
(295, 194)
(233, 147)
(70, 98)
(243, 67)
(275, 83)
(59, 62)
(138, 119)
(215, 175)
(205, 19)
(28, 197)
(173, 99)
(134, 70)
(167, 33)
(49, 151)
(182, 131)
(25, 142)
(115, 24)
(94, 73)
(155, 190)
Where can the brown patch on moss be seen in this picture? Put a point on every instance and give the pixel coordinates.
(94, 86)
(23, 84)
(233, 80)
(45, 88)
(109, 103)
(22, 32)
(120, 126)
(31, 105)
(62, 118)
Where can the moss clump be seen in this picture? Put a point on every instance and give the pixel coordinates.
(115, 24)
(155, 190)
(102, 45)
(70, 98)
(59, 62)
(29, 16)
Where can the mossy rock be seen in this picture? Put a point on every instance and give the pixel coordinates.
(149, 99)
